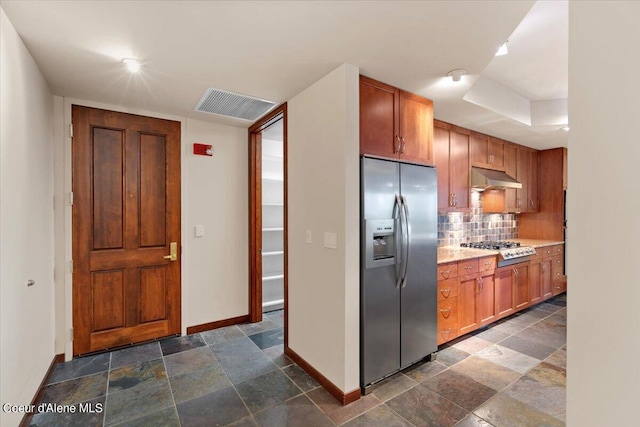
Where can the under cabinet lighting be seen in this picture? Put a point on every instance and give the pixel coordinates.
(503, 50)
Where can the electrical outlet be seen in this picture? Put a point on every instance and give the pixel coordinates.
(307, 237)
(330, 240)
(199, 230)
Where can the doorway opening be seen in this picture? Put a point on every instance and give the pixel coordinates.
(268, 215)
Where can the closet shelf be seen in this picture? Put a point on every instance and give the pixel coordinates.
(272, 253)
(274, 277)
(273, 229)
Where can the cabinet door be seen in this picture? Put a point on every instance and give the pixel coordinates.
(495, 152)
(486, 298)
(510, 157)
(478, 155)
(545, 277)
(441, 160)
(468, 288)
(535, 282)
(504, 291)
(520, 287)
(522, 175)
(378, 119)
(459, 169)
(533, 182)
(416, 128)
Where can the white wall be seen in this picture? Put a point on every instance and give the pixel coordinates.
(323, 196)
(26, 223)
(603, 342)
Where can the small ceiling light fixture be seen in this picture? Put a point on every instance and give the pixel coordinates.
(503, 50)
(132, 64)
(565, 128)
(457, 74)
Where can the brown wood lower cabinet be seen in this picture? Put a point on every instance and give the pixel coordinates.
(473, 293)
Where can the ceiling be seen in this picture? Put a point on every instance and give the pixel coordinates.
(273, 50)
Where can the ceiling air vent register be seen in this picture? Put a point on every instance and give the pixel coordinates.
(230, 104)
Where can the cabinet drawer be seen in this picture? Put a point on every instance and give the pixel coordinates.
(557, 249)
(447, 289)
(468, 266)
(448, 313)
(446, 334)
(546, 251)
(487, 263)
(448, 271)
(538, 256)
(559, 285)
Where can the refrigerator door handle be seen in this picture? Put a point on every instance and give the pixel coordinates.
(406, 236)
(397, 223)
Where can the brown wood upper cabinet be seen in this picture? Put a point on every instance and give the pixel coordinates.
(522, 164)
(394, 123)
(486, 151)
(451, 157)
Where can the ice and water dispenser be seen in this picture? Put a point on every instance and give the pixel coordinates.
(380, 242)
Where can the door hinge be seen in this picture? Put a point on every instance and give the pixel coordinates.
(71, 198)
(71, 266)
(71, 130)
(71, 334)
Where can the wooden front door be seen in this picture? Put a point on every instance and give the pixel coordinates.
(126, 224)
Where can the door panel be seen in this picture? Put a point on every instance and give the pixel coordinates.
(416, 128)
(126, 184)
(418, 322)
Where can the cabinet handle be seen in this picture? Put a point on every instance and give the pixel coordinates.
(396, 145)
(468, 267)
(446, 273)
(530, 203)
(451, 199)
(445, 292)
(455, 200)
(544, 268)
(558, 250)
(490, 158)
(446, 312)
(515, 271)
(445, 333)
(558, 261)
(402, 145)
(487, 265)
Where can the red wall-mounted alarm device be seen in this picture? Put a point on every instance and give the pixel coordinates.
(203, 149)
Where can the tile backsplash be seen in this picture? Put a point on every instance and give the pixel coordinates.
(457, 227)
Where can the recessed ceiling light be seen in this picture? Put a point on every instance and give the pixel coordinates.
(503, 50)
(565, 128)
(457, 74)
(132, 64)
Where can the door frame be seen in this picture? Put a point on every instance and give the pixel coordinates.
(63, 259)
(255, 213)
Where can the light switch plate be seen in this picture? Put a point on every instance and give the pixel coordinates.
(330, 240)
(307, 237)
(199, 230)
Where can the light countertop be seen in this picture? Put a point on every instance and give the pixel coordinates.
(457, 253)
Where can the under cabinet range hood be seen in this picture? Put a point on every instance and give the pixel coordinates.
(488, 179)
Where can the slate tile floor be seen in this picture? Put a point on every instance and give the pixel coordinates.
(511, 374)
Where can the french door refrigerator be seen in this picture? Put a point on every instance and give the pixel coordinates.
(398, 291)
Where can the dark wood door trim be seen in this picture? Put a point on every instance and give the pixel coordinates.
(255, 213)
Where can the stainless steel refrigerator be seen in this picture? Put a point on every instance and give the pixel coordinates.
(398, 293)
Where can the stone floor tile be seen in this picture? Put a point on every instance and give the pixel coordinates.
(547, 333)
(300, 377)
(189, 361)
(451, 355)
(136, 354)
(541, 395)
(423, 370)
(254, 328)
(88, 414)
(136, 402)
(276, 354)
(505, 411)
(336, 411)
(219, 408)
(244, 422)
(493, 335)
(167, 417)
(460, 389)
(472, 345)
(424, 407)
(267, 390)
(472, 420)
(381, 416)
(222, 334)
(508, 358)
(521, 344)
(76, 390)
(80, 367)
(299, 411)
(559, 358)
(178, 344)
(131, 376)
(488, 373)
(392, 386)
(550, 374)
(268, 338)
(194, 384)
